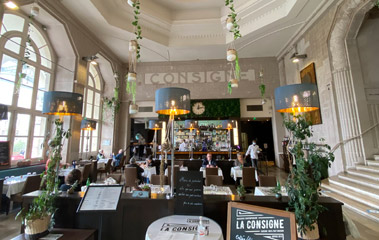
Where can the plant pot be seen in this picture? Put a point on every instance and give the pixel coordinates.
(234, 83)
(131, 2)
(132, 77)
(34, 11)
(242, 197)
(314, 234)
(35, 229)
(133, 45)
(133, 109)
(145, 190)
(231, 55)
(229, 23)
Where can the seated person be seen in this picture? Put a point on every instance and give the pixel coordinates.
(74, 175)
(240, 161)
(209, 162)
(139, 169)
(100, 155)
(149, 161)
(117, 158)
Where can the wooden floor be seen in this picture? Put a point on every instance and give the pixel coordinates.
(362, 228)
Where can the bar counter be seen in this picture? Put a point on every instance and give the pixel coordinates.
(134, 216)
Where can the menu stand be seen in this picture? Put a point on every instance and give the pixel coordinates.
(100, 199)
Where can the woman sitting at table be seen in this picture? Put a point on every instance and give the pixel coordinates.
(240, 161)
(100, 155)
(139, 169)
(209, 162)
(74, 175)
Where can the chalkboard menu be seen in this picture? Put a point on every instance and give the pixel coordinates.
(189, 191)
(252, 222)
(4, 154)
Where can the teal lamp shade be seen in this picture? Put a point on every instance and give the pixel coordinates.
(172, 100)
(155, 125)
(228, 124)
(190, 124)
(3, 112)
(62, 103)
(296, 98)
(88, 124)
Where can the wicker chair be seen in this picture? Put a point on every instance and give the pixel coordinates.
(248, 177)
(212, 179)
(156, 180)
(116, 177)
(267, 181)
(131, 179)
(211, 171)
(32, 184)
(105, 170)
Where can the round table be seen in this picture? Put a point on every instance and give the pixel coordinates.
(164, 227)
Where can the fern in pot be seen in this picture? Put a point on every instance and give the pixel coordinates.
(305, 179)
(38, 217)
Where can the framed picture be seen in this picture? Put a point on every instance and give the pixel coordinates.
(308, 75)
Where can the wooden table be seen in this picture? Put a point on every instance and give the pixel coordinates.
(69, 234)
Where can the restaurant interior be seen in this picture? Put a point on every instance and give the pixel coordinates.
(179, 119)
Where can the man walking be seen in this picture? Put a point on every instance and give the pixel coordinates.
(253, 151)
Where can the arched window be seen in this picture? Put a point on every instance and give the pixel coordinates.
(26, 72)
(89, 140)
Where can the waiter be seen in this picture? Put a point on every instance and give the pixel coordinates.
(253, 151)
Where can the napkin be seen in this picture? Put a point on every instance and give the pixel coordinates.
(174, 236)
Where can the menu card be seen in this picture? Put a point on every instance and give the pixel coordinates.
(101, 198)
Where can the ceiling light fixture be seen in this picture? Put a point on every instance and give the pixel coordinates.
(296, 57)
(11, 5)
(91, 59)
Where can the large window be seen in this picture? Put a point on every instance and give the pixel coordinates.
(25, 74)
(89, 140)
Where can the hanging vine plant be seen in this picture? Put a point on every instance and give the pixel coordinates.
(131, 85)
(262, 86)
(113, 104)
(231, 21)
(137, 26)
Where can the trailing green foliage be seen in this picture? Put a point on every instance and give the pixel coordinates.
(113, 103)
(233, 15)
(230, 89)
(262, 86)
(237, 68)
(377, 3)
(304, 180)
(44, 204)
(131, 88)
(241, 191)
(137, 26)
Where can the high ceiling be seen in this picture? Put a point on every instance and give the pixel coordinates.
(179, 30)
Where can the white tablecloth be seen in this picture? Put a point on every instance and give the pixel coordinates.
(66, 171)
(217, 190)
(236, 172)
(102, 162)
(181, 169)
(157, 228)
(157, 189)
(14, 185)
(219, 172)
(148, 171)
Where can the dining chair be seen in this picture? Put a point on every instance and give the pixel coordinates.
(211, 171)
(116, 177)
(267, 181)
(1, 189)
(32, 184)
(213, 180)
(85, 173)
(131, 179)
(248, 177)
(156, 179)
(121, 166)
(93, 171)
(176, 170)
(106, 169)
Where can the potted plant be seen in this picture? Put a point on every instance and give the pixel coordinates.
(305, 179)
(231, 54)
(133, 45)
(39, 216)
(241, 191)
(233, 83)
(277, 191)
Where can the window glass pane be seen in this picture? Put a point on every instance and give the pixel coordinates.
(8, 68)
(97, 81)
(90, 82)
(30, 53)
(12, 23)
(37, 37)
(28, 78)
(96, 112)
(39, 126)
(19, 148)
(6, 95)
(85, 147)
(94, 132)
(89, 96)
(89, 111)
(97, 99)
(94, 144)
(4, 125)
(3, 139)
(45, 56)
(37, 147)
(39, 101)
(80, 144)
(25, 97)
(22, 125)
(44, 81)
(92, 70)
(14, 44)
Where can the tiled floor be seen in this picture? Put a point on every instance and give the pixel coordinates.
(365, 229)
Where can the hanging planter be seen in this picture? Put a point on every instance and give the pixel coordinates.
(133, 46)
(231, 55)
(230, 23)
(132, 77)
(132, 2)
(131, 85)
(133, 108)
(234, 83)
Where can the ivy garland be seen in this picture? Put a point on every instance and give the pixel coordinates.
(113, 103)
(137, 26)
(262, 86)
(233, 15)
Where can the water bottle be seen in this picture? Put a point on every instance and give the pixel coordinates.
(88, 182)
(147, 180)
(201, 231)
(74, 164)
